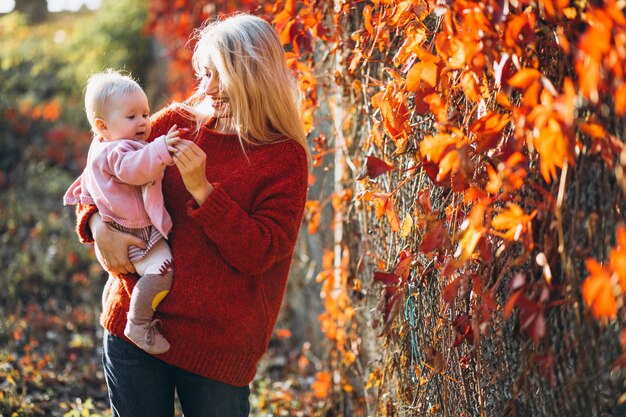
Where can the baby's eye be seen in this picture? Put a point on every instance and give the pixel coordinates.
(131, 117)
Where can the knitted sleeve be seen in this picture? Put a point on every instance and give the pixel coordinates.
(83, 214)
(253, 242)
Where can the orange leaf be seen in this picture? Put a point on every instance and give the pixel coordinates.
(510, 304)
(321, 385)
(620, 100)
(367, 19)
(598, 291)
(554, 148)
(432, 148)
(469, 83)
(421, 71)
(473, 230)
(489, 129)
(392, 215)
(524, 78)
(513, 221)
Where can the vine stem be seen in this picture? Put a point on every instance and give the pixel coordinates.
(558, 212)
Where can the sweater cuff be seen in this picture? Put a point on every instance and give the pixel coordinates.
(83, 214)
(161, 147)
(213, 208)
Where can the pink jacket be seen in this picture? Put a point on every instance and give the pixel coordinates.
(123, 179)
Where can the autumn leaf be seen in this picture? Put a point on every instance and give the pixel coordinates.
(598, 291)
(524, 78)
(393, 284)
(473, 230)
(620, 99)
(555, 149)
(470, 85)
(407, 226)
(513, 221)
(374, 167)
(321, 385)
(436, 237)
(384, 204)
(488, 130)
(511, 302)
(432, 148)
(367, 19)
(462, 325)
(451, 290)
(313, 215)
(421, 71)
(532, 319)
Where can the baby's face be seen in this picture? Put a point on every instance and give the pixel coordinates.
(129, 117)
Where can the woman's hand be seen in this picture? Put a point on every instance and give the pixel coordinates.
(112, 246)
(191, 162)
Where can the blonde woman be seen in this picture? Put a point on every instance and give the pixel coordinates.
(236, 198)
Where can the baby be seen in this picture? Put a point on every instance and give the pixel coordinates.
(123, 179)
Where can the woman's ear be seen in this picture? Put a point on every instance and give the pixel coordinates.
(100, 126)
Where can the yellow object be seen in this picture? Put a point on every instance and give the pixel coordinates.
(158, 298)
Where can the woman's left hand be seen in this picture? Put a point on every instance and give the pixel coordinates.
(191, 162)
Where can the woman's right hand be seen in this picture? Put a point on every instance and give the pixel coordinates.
(112, 246)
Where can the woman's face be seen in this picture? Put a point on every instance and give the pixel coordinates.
(218, 99)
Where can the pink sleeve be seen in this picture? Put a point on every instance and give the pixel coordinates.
(135, 165)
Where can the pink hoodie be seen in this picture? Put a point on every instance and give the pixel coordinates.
(123, 179)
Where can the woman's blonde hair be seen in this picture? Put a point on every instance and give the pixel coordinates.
(264, 97)
(101, 88)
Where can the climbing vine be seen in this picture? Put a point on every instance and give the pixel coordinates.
(477, 149)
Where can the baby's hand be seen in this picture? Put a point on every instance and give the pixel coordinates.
(172, 138)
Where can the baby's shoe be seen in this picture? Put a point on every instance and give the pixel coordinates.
(147, 336)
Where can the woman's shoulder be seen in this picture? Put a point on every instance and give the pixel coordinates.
(285, 149)
(285, 157)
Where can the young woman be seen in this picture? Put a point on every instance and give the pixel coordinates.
(236, 197)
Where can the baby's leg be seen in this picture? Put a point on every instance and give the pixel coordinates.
(155, 282)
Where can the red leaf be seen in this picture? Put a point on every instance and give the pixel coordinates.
(435, 238)
(451, 291)
(387, 278)
(462, 324)
(374, 167)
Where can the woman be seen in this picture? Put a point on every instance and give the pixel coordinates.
(236, 196)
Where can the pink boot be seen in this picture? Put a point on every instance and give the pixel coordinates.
(147, 336)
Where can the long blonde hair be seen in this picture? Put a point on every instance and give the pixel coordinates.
(250, 60)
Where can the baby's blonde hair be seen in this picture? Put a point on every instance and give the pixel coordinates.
(264, 96)
(103, 86)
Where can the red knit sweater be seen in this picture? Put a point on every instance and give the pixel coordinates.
(231, 255)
